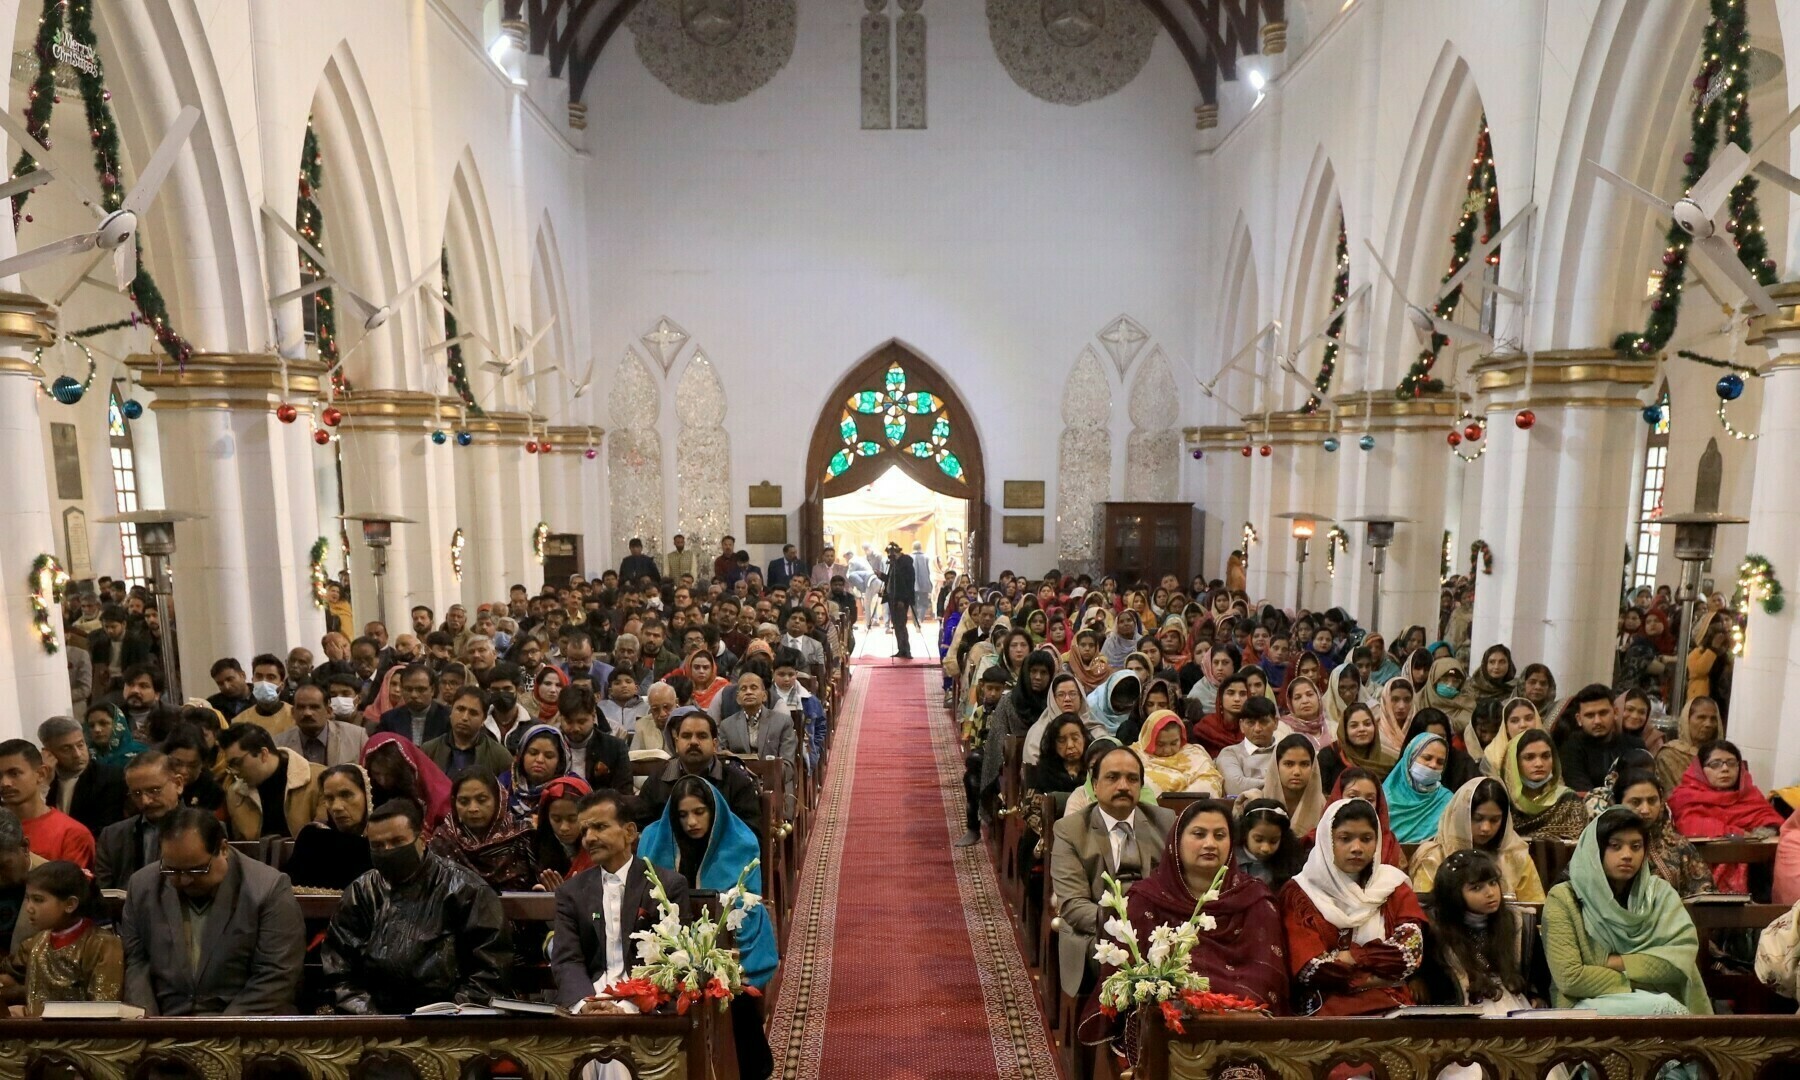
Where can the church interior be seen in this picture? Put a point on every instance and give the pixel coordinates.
(537, 520)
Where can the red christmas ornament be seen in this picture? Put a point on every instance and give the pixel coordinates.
(332, 416)
(1524, 419)
(1246, 451)
(543, 448)
(1472, 432)
(321, 436)
(531, 447)
(286, 413)
(591, 453)
(1266, 450)
(1454, 438)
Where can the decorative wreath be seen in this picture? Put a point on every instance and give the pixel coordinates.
(317, 571)
(1480, 550)
(48, 581)
(539, 537)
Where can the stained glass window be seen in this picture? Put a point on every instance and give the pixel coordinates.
(895, 405)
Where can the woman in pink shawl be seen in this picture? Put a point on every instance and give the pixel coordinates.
(388, 697)
(397, 768)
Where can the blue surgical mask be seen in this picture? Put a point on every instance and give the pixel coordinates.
(265, 693)
(1445, 690)
(1424, 777)
(502, 641)
(1536, 785)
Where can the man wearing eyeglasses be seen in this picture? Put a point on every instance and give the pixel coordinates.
(208, 932)
(153, 787)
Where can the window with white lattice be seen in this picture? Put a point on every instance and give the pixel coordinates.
(125, 488)
(1648, 549)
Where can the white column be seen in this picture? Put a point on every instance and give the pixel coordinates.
(389, 464)
(1223, 479)
(1555, 507)
(1767, 681)
(570, 488)
(242, 583)
(34, 684)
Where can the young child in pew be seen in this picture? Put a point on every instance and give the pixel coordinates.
(70, 958)
(1266, 847)
(791, 696)
(1475, 939)
(988, 691)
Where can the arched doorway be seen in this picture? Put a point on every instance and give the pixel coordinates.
(896, 411)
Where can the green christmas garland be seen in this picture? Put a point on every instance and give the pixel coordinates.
(1340, 292)
(76, 17)
(1757, 581)
(453, 356)
(320, 547)
(1479, 550)
(48, 581)
(1481, 207)
(310, 221)
(1727, 50)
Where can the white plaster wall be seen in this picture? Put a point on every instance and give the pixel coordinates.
(790, 243)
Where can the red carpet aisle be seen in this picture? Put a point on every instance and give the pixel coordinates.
(901, 962)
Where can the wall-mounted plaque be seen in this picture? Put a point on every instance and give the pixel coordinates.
(1022, 495)
(765, 529)
(75, 543)
(65, 448)
(1022, 529)
(765, 496)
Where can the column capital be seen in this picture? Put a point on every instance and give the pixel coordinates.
(1295, 428)
(504, 428)
(1771, 331)
(25, 323)
(1216, 436)
(1380, 410)
(258, 373)
(395, 410)
(1563, 378)
(575, 434)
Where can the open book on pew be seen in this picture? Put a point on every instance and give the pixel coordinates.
(1432, 1012)
(496, 1007)
(1717, 898)
(1556, 1014)
(90, 1010)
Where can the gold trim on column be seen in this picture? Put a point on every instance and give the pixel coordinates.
(162, 404)
(576, 433)
(12, 365)
(1565, 367)
(1566, 402)
(1380, 410)
(1786, 320)
(1214, 437)
(26, 321)
(227, 371)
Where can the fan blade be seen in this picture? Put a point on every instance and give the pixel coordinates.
(1632, 189)
(440, 346)
(125, 258)
(74, 282)
(581, 390)
(318, 257)
(457, 315)
(1723, 258)
(1704, 277)
(1458, 332)
(1478, 256)
(72, 171)
(1385, 272)
(68, 245)
(1249, 348)
(414, 286)
(316, 285)
(1778, 176)
(537, 337)
(151, 176)
(363, 307)
(546, 371)
(19, 184)
(1729, 164)
(1323, 333)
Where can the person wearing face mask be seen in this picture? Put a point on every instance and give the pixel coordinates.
(267, 675)
(507, 718)
(385, 950)
(1415, 790)
(316, 736)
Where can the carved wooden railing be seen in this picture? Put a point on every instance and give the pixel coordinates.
(658, 1047)
(1619, 1048)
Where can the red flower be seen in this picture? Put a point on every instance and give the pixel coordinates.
(1208, 1002)
(640, 992)
(1171, 1013)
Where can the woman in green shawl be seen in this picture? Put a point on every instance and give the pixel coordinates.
(1542, 804)
(1618, 939)
(109, 737)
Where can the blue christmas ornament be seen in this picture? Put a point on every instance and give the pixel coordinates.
(439, 437)
(1367, 442)
(67, 389)
(1731, 387)
(1653, 414)
(132, 409)
(463, 438)
(1331, 444)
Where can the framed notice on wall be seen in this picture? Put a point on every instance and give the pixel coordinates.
(765, 529)
(66, 451)
(75, 543)
(1022, 495)
(1022, 529)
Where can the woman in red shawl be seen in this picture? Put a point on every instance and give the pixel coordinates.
(1716, 797)
(1359, 783)
(704, 671)
(1244, 955)
(397, 768)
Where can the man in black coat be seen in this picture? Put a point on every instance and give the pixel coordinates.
(900, 588)
(697, 754)
(579, 957)
(89, 791)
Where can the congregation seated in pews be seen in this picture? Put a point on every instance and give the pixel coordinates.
(461, 816)
(1483, 845)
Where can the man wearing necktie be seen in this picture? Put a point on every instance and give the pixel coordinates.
(784, 569)
(1117, 836)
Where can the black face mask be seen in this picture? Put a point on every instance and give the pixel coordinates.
(505, 701)
(397, 865)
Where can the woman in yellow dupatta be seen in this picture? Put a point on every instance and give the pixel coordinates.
(1171, 763)
(1480, 816)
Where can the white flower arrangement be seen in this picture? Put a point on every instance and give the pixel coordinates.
(1159, 975)
(685, 962)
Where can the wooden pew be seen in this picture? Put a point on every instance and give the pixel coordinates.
(1012, 821)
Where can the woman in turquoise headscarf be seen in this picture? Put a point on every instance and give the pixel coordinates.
(109, 737)
(1415, 789)
(1112, 702)
(709, 845)
(1617, 938)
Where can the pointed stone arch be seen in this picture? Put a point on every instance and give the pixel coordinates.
(1152, 454)
(702, 455)
(474, 256)
(634, 455)
(1083, 463)
(1239, 312)
(549, 299)
(1312, 269)
(934, 442)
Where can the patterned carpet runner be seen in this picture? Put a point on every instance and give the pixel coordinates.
(901, 962)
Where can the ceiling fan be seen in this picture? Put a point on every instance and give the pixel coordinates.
(116, 233)
(1697, 212)
(1468, 275)
(1426, 322)
(1207, 385)
(374, 316)
(1288, 359)
(504, 367)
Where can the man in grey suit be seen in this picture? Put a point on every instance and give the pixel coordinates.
(318, 738)
(599, 909)
(209, 932)
(1114, 836)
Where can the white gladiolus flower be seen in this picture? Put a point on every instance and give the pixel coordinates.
(1159, 952)
(1109, 954)
(735, 920)
(680, 958)
(1207, 922)
(751, 900)
(1120, 930)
